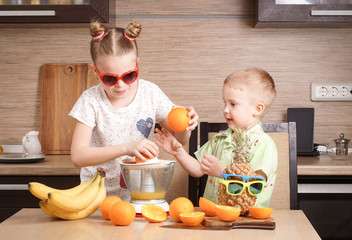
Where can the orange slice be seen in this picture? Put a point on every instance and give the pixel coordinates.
(227, 213)
(192, 218)
(207, 206)
(260, 212)
(154, 213)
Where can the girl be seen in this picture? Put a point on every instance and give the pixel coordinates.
(116, 118)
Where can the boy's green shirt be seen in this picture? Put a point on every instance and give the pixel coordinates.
(263, 156)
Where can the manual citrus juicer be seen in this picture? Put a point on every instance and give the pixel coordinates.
(147, 182)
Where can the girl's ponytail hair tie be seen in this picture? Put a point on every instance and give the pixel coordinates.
(99, 36)
(129, 38)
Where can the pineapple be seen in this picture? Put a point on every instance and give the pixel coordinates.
(240, 166)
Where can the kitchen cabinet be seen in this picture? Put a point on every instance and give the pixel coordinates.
(52, 11)
(55, 171)
(327, 203)
(325, 195)
(299, 13)
(14, 194)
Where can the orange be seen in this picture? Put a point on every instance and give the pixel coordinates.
(122, 213)
(192, 218)
(107, 204)
(154, 213)
(207, 206)
(178, 206)
(178, 119)
(138, 160)
(227, 213)
(260, 212)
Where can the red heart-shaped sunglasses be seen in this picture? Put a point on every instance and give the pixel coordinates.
(112, 79)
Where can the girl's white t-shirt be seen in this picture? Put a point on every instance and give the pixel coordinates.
(113, 126)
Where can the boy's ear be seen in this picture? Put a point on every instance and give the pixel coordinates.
(260, 107)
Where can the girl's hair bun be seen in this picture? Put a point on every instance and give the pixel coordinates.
(97, 30)
(133, 29)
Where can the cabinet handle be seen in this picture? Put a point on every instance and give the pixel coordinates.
(331, 12)
(34, 13)
(4, 187)
(327, 188)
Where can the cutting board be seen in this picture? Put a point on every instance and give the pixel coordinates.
(241, 222)
(61, 85)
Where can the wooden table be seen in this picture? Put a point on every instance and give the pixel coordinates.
(33, 224)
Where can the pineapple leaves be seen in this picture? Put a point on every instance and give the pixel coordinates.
(242, 145)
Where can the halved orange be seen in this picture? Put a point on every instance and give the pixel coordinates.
(227, 213)
(192, 218)
(207, 206)
(260, 212)
(139, 160)
(153, 213)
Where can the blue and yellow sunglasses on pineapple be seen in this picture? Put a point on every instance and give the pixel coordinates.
(237, 183)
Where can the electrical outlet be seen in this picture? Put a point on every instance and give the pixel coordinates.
(331, 92)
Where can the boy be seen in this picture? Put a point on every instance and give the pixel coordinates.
(247, 95)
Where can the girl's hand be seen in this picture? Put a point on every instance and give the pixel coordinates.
(145, 147)
(193, 123)
(212, 166)
(167, 141)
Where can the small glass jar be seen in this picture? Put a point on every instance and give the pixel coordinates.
(342, 145)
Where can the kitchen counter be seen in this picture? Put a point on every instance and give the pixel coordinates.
(33, 224)
(323, 165)
(51, 165)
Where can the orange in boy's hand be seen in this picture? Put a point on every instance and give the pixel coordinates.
(260, 212)
(107, 204)
(154, 213)
(178, 119)
(138, 160)
(122, 213)
(178, 206)
(207, 206)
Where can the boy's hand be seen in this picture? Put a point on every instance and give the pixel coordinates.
(210, 165)
(194, 119)
(167, 141)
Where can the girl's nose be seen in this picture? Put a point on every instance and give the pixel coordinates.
(120, 83)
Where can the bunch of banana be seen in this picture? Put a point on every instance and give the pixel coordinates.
(74, 203)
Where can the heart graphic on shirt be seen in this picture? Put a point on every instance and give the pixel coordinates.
(145, 126)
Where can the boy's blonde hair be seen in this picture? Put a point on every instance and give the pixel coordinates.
(257, 81)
